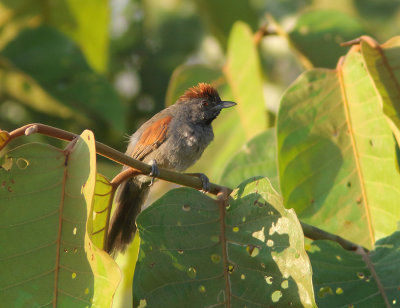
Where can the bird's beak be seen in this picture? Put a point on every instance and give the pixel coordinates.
(225, 104)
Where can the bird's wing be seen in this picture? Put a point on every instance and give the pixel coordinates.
(153, 136)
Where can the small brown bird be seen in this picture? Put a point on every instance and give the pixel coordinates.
(173, 139)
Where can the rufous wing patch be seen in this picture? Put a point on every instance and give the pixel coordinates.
(151, 138)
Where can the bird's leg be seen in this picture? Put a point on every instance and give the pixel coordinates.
(154, 171)
(204, 180)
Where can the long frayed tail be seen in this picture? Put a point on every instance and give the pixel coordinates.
(129, 200)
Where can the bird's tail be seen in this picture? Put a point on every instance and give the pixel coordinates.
(129, 199)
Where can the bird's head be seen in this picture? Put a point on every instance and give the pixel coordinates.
(202, 103)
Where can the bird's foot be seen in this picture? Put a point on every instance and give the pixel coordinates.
(204, 180)
(154, 171)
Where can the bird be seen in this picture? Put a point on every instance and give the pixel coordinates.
(173, 139)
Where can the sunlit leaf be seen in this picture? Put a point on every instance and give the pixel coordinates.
(47, 257)
(102, 202)
(243, 73)
(347, 279)
(383, 64)
(336, 153)
(87, 23)
(59, 67)
(192, 251)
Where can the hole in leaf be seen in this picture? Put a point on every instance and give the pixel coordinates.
(270, 243)
(216, 258)
(394, 302)
(285, 284)
(186, 207)
(180, 251)
(339, 258)
(252, 250)
(74, 231)
(243, 276)
(235, 229)
(231, 268)
(65, 250)
(73, 275)
(243, 218)
(360, 275)
(268, 279)
(202, 289)
(75, 250)
(87, 291)
(22, 163)
(191, 272)
(324, 291)
(276, 296)
(339, 291)
(142, 303)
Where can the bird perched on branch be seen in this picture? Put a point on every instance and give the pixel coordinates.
(173, 139)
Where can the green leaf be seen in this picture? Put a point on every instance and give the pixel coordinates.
(87, 23)
(59, 67)
(243, 73)
(348, 279)
(102, 203)
(47, 256)
(317, 35)
(383, 64)
(221, 16)
(193, 251)
(257, 157)
(336, 153)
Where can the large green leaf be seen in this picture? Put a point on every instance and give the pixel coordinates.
(244, 76)
(194, 251)
(86, 22)
(336, 153)
(59, 67)
(317, 35)
(257, 157)
(383, 64)
(349, 279)
(47, 257)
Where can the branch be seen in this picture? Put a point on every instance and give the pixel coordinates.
(311, 232)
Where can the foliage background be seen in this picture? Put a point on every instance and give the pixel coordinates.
(107, 65)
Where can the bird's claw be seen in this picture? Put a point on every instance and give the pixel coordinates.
(204, 180)
(154, 171)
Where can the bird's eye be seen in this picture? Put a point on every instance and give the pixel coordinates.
(204, 103)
